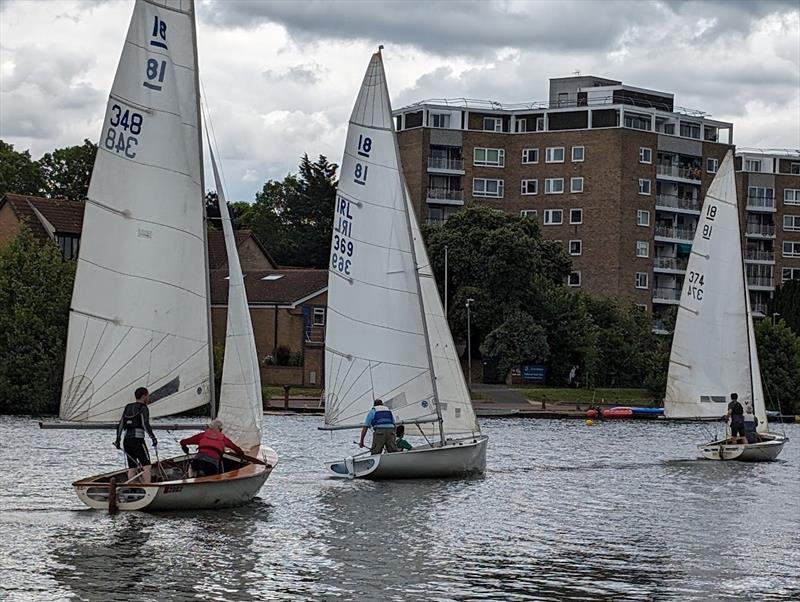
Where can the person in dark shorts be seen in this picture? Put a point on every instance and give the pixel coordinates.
(135, 422)
(736, 417)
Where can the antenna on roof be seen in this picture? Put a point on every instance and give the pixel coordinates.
(576, 72)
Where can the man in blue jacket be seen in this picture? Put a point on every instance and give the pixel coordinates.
(381, 420)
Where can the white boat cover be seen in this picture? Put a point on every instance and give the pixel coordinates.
(713, 349)
(240, 405)
(375, 341)
(139, 307)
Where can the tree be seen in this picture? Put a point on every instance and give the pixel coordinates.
(18, 173)
(67, 171)
(779, 357)
(236, 210)
(35, 293)
(787, 304)
(518, 340)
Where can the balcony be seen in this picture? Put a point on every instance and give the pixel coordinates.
(760, 203)
(670, 296)
(669, 264)
(445, 196)
(670, 234)
(759, 256)
(759, 310)
(760, 283)
(693, 174)
(670, 202)
(446, 165)
(755, 230)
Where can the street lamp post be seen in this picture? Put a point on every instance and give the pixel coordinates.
(469, 349)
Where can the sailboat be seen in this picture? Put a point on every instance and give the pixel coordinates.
(386, 333)
(714, 347)
(140, 312)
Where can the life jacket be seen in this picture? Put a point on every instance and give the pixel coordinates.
(133, 420)
(383, 418)
(211, 444)
(736, 408)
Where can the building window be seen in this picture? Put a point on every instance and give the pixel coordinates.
(576, 216)
(790, 249)
(554, 154)
(529, 213)
(752, 165)
(577, 154)
(641, 306)
(530, 186)
(487, 188)
(574, 279)
(690, 130)
(794, 169)
(69, 246)
(439, 120)
(553, 217)
(492, 124)
(712, 165)
(791, 223)
(642, 217)
(576, 184)
(553, 185)
(520, 125)
(319, 316)
(641, 279)
(790, 274)
(645, 154)
(791, 196)
(540, 124)
(575, 247)
(530, 155)
(491, 157)
(642, 248)
(760, 192)
(644, 186)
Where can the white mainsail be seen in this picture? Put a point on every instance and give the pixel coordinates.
(139, 307)
(713, 349)
(240, 406)
(375, 339)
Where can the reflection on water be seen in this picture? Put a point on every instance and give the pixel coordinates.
(565, 512)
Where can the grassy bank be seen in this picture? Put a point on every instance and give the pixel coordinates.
(276, 391)
(639, 397)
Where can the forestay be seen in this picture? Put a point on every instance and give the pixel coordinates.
(139, 306)
(375, 337)
(713, 350)
(240, 406)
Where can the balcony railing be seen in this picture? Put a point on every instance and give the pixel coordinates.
(686, 234)
(763, 281)
(687, 173)
(445, 194)
(760, 256)
(670, 263)
(760, 202)
(761, 229)
(674, 202)
(446, 163)
(667, 294)
(759, 308)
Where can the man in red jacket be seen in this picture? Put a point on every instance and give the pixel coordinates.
(211, 444)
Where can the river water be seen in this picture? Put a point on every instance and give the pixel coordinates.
(617, 511)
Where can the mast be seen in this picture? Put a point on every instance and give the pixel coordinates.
(212, 394)
(408, 210)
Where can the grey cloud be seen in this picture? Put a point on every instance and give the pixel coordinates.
(300, 74)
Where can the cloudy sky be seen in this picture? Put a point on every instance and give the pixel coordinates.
(281, 76)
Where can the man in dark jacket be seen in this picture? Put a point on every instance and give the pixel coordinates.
(135, 422)
(736, 416)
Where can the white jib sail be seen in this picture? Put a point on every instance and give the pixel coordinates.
(240, 406)
(455, 402)
(375, 341)
(711, 356)
(139, 306)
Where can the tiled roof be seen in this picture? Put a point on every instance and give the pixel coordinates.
(217, 255)
(64, 215)
(292, 286)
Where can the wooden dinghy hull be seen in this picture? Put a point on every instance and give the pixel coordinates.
(766, 450)
(458, 458)
(229, 489)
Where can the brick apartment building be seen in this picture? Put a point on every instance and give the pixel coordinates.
(617, 173)
(287, 305)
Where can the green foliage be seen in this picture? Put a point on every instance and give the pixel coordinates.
(787, 304)
(67, 171)
(18, 173)
(35, 293)
(294, 218)
(779, 357)
(520, 339)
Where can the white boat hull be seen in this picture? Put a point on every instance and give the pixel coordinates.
(226, 490)
(458, 457)
(766, 450)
